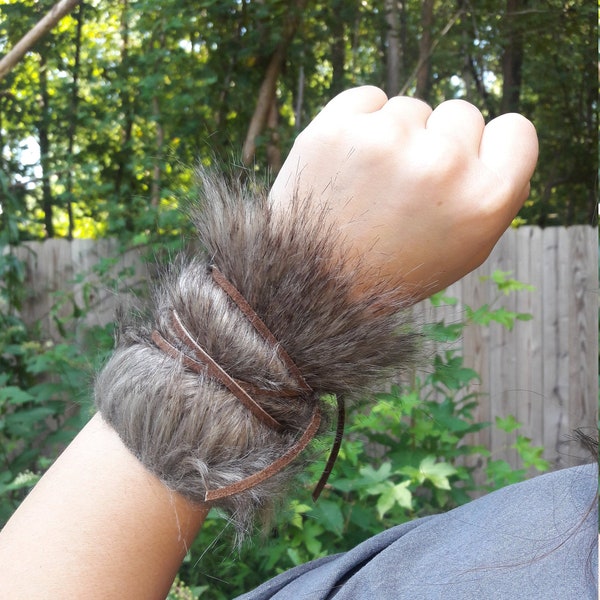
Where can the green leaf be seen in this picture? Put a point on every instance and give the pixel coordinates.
(23, 480)
(344, 485)
(442, 332)
(530, 455)
(295, 556)
(298, 509)
(509, 424)
(21, 423)
(505, 283)
(14, 395)
(436, 472)
(440, 299)
(329, 514)
(372, 476)
(393, 495)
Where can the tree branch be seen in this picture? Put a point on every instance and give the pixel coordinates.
(433, 46)
(266, 93)
(56, 13)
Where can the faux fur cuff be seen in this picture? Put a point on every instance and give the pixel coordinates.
(187, 428)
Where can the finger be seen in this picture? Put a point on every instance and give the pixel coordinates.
(459, 121)
(360, 100)
(410, 111)
(509, 147)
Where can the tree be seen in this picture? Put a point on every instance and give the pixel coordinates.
(122, 98)
(395, 42)
(512, 57)
(425, 50)
(266, 103)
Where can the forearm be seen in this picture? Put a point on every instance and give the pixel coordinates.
(98, 526)
(107, 518)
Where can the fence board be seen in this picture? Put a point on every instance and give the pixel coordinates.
(583, 318)
(52, 267)
(528, 334)
(556, 344)
(503, 356)
(476, 352)
(544, 372)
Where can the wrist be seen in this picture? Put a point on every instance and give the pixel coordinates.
(185, 426)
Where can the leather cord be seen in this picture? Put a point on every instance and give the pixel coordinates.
(293, 369)
(202, 363)
(275, 467)
(259, 325)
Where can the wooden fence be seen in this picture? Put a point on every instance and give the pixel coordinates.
(544, 371)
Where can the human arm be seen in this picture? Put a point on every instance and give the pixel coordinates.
(428, 227)
(97, 526)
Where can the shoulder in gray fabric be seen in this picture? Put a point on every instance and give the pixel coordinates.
(535, 540)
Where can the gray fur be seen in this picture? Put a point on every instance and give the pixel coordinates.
(188, 429)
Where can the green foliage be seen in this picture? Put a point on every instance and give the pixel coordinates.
(180, 591)
(40, 385)
(161, 85)
(407, 453)
(121, 97)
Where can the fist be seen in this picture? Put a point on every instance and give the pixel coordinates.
(420, 196)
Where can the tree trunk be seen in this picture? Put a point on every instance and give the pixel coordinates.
(425, 56)
(160, 134)
(338, 49)
(232, 66)
(266, 93)
(394, 50)
(512, 58)
(56, 13)
(73, 120)
(156, 170)
(425, 49)
(43, 126)
(299, 104)
(472, 74)
(122, 154)
(403, 34)
(273, 148)
(469, 70)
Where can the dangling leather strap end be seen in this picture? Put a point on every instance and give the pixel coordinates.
(335, 449)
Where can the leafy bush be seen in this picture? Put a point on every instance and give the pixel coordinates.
(45, 384)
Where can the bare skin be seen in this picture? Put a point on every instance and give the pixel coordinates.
(422, 198)
(97, 526)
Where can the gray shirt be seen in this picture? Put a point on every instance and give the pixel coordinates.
(533, 540)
